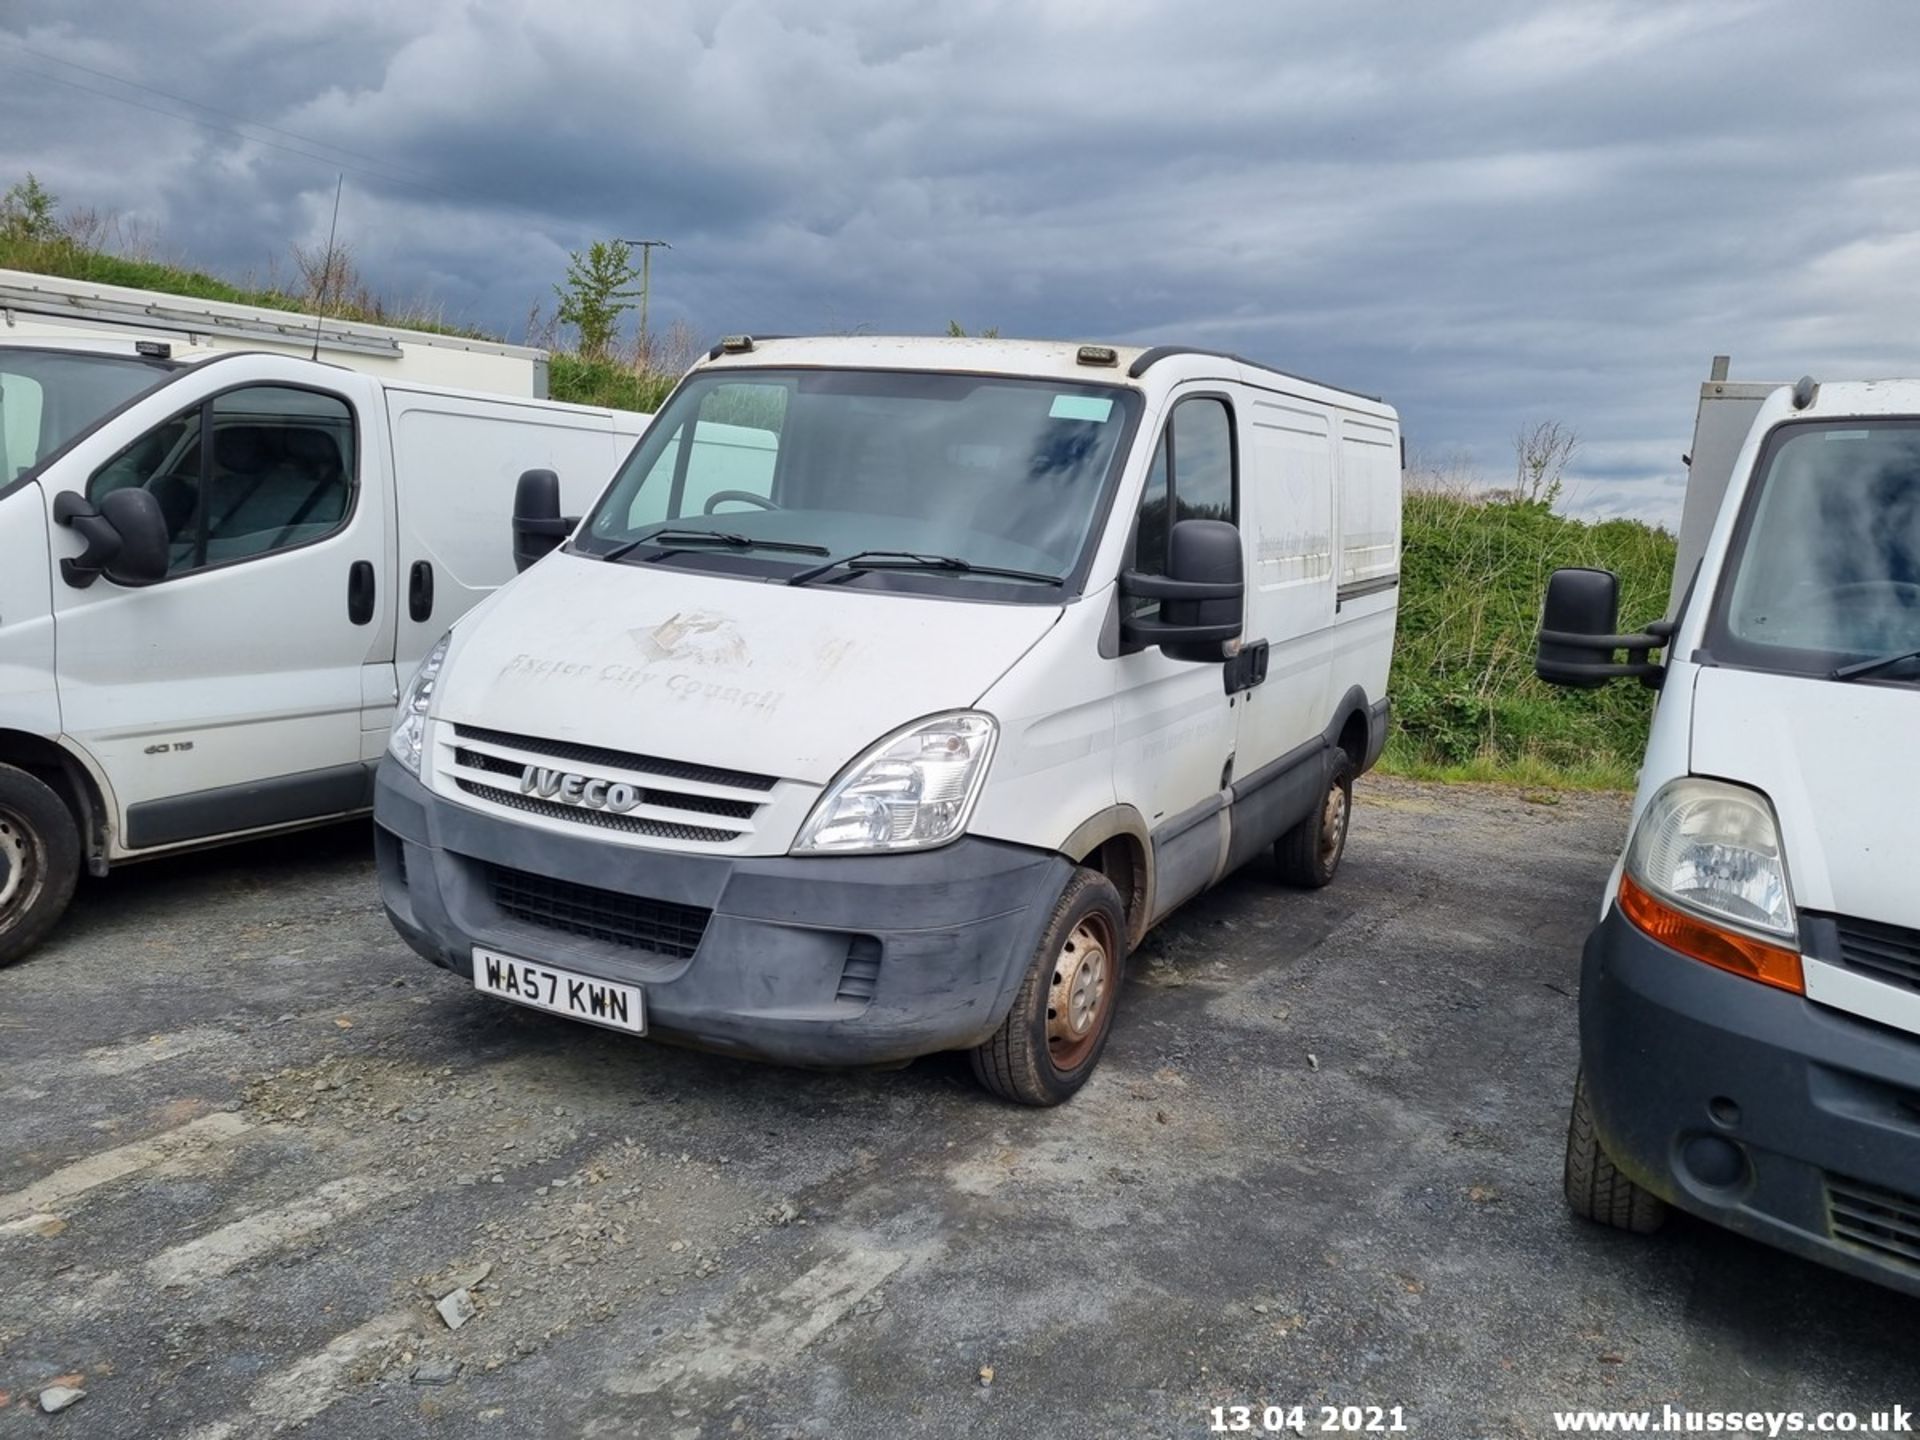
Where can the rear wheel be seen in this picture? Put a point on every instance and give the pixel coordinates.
(1053, 1035)
(39, 861)
(1596, 1190)
(1309, 854)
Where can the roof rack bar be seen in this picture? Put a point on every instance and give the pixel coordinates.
(1147, 359)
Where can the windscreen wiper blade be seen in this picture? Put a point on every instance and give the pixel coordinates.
(674, 540)
(1867, 667)
(912, 560)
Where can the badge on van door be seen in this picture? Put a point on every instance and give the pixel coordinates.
(583, 790)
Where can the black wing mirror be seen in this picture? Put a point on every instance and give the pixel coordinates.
(538, 525)
(126, 537)
(1201, 596)
(1578, 638)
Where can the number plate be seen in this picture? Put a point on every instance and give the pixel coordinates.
(578, 997)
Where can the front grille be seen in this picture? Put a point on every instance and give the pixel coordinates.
(1886, 952)
(1874, 1219)
(631, 824)
(667, 799)
(618, 759)
(860, 976)
(606, 915)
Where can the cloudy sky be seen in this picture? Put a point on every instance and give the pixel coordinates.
(1490, 213)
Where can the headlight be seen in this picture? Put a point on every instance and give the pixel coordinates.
(410, 721)
(1714, 849)
(913, 790)
(1705, 877)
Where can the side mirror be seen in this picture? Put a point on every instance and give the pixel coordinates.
(538, 525)
(126, 537)
(1578, 636)
(1201, 596)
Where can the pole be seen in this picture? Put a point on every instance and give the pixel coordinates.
(647, 247)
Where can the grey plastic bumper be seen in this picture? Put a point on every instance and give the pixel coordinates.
(1753, 1107)
(846, 960)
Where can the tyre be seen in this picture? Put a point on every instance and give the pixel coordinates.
(1052, 1037)
(1596, 1190)
(39, 861)
(1309, 854)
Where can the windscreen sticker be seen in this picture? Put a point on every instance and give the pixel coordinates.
(1848, 434)
(1081, 407)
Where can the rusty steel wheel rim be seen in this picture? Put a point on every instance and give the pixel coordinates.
(1333, 823)
(1081, 992)
(16, 861)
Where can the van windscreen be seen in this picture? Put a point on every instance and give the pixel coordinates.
(1824, 568)
(784, 466)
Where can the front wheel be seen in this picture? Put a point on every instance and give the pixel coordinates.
(1596, 1190)
(39, 861)
(1052, 1037)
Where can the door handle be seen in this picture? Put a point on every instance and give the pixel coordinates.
(1248, 668)
(420, 591)
(360, 592)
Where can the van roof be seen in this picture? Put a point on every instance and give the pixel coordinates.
(1054, 359)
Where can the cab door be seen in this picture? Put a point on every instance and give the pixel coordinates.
(228, 695)
(1175, 732)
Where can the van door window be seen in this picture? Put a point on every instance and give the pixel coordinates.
(736, 443)
(1193, 477)
(250, 472)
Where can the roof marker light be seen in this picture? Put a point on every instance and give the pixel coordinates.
(1097, 355)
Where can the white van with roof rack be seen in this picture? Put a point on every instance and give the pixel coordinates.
(1750, 998)
(894, 688)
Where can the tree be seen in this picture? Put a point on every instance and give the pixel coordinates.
(959, 331)
(1541, 454)
(27, 212)
(597, 293)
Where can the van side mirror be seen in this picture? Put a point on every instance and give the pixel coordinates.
(1577, 637)
(1201, 596)
(538, 525)
(126, 537)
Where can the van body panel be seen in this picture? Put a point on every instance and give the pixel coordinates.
(1837, 760)
(29, 697)
(792, 683)
(459, 457)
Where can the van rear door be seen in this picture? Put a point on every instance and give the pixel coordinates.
(457, 458)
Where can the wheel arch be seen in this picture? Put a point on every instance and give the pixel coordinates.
(1351, 728)
(73, 781)
(1117, 843)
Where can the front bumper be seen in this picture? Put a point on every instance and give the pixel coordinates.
(1757, 1109)
(842, 960)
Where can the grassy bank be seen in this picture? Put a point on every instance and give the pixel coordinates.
(1466, 703)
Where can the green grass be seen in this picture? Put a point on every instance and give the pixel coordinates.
(1466, 703)
(608, 383)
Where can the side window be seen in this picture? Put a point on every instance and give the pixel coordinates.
(1192, 478)
(736, 442)
(252, 471)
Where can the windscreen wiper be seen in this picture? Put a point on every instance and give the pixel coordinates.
(911, 560)
(675, 540)
(1867, 667)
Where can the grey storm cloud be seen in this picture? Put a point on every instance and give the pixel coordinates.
(1490, 214)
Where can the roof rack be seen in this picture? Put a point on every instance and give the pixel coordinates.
(1147, 359)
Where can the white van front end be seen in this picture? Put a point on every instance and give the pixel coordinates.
(1750, 1003)
(584, 750)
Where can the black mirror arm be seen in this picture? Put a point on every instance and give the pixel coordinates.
(1162, 587)
(103, 541)
(1638, 647)
(1150, 632)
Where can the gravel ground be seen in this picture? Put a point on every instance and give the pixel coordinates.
(247, 1141)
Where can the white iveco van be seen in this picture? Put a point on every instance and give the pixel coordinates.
(216, 567)
(894, 688)
(1750, 1001)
